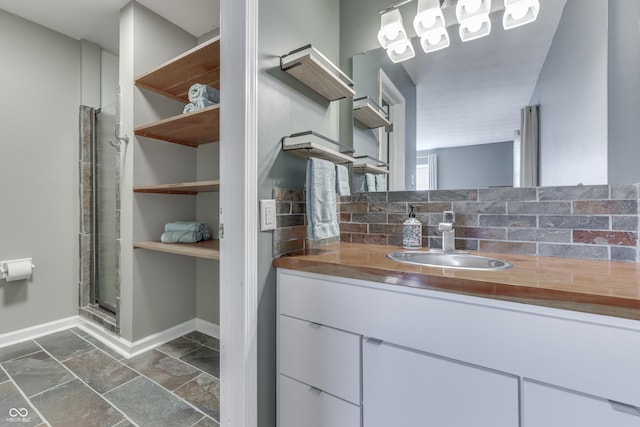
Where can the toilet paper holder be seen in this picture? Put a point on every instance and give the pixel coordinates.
(4, 268)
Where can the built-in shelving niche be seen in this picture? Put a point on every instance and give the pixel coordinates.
(173, 79)
(316, 71)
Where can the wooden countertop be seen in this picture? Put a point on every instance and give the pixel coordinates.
(599, 287)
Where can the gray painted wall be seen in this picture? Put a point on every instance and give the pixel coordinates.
(572, 93)
(474, 166)
(39, 171)
(624, 92)
(365, 74)
(285, 106)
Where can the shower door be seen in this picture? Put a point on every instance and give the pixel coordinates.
(105, 209)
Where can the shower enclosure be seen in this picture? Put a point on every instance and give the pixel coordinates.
(99, 218)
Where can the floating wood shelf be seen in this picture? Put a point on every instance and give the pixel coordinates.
(209, 249)
(189, 188)
(192, 129)
(174, 78)
(369, 113)
(368, 164)
(313, 69)
(310, 144)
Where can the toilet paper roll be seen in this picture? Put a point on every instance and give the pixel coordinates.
(19, 270)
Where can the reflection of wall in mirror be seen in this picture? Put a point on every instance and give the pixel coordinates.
(365, 141)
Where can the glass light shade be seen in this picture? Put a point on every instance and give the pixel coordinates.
(429, 17)
(435, 40)
(391, 28)
(519, 12)
(472, 9)
(475, 28)
(401, 51)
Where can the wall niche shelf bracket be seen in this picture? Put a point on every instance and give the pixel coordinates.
(311, 144)
(369, 113)
(316, 71)
(368, 164)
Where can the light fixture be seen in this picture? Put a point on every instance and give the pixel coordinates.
(519, 12)
(473, 16)
(391, 28)
(401, 51)
(430, 26)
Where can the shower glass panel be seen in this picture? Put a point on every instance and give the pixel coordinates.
(105, 208)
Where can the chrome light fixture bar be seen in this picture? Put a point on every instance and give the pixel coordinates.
(473, 16)
(519, 12)
(430, 26)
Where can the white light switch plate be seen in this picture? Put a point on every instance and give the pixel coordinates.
(267, 214)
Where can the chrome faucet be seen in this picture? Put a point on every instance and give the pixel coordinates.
(448, 232)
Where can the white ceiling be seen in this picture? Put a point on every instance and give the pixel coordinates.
(98, 20)
(471, 93)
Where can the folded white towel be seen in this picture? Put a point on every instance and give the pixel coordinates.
(321, 206)
(342, 180)
(381, 182)
(198, 91)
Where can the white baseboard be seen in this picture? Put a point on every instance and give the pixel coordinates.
(124, 347)
(208, 328)
(37, 331)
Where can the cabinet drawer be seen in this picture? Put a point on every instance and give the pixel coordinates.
(300, 405)
(548, 406)
(322, 357)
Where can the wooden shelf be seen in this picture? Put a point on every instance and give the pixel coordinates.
(313, 69)
(369, 168)
(192, 129)
(209, 249)
(368, 164)
(369, 113)
(189, 188)
(310, 144)
(174, 78)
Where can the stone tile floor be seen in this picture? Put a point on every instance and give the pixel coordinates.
(71, 379)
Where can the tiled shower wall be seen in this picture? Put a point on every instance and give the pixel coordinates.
(591, 221)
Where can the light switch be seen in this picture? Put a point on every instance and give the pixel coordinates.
(267, 214)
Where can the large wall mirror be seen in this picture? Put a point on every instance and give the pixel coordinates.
(579, 61)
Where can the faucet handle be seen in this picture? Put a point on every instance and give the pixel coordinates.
(449, 217)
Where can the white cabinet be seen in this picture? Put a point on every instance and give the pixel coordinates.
(318, 375)
(406, 388)
(548, 406)
(450, 360)
(325, 358)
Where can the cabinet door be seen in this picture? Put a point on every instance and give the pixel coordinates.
(547, 406)
(406, 388)
(302, 406)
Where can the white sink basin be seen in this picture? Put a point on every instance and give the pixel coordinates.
(450, 260)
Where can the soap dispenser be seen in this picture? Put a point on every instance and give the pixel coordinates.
(412, 231)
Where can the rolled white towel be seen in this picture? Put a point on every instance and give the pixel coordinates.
(198, 104)
(198, 91)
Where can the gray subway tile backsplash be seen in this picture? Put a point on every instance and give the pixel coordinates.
(587, 221)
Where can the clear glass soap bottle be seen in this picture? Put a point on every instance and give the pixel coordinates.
(412, 231)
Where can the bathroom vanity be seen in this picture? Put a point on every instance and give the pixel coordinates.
(365, 341)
